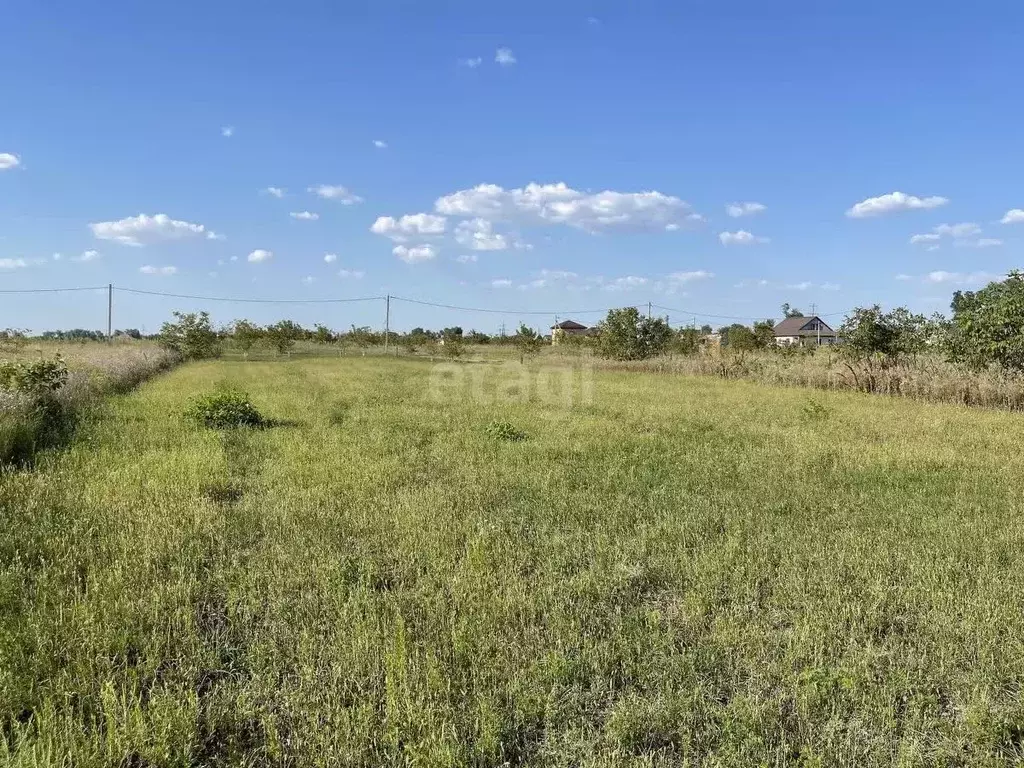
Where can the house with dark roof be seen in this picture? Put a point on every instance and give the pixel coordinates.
(569, 328)
(810, 331)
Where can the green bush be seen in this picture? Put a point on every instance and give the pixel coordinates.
(37, 380)
(502, 430)
(223, 410)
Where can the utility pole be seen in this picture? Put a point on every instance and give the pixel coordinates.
(817, 321)
(648, 310)
(110, 311)
(387, 322)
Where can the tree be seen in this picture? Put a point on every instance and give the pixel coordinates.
(245, 335)
(323, 335)
(452, 342)
(362, 336)
(764, 334)
(454, 332)
(282, 335)
(192, 336)
(478, 337)
(706, 329)
(728, 332)
(788, 311)
(527, 341)
(686, 341)
(988, 325)
(627, 335)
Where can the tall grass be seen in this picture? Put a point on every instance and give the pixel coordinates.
(927, 378)
(96, 370)
(685, 571)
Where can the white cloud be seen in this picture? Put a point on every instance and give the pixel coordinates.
(959, 278)
(751, 283)
(560, 204)
(501, 283)
(416, 224)
(671, 227)
(466, 258)
(927, 238)
(505, 57)
(830, 286)
(57, 257)
(277, 192)
(1012, 216)
(894, 201)
(259, 255)
(987, 242)
(8, 161)
(742, 237)
(966, 229)
(353, 274)
(471, 63)
(380, 144)
(744, 209)
(144, 230)
(800, 286)
(163, 271)
(211, 235)
(478, 235)
(330, 258)
(415, 254)
(13, 263)
(625, 283)
(304, 215)
(308, 280)
(86, 256)
(336, 192)
(227, 131)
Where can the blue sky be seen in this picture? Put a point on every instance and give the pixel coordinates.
(587, 165)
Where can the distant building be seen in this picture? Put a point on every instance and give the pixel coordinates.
(570, 328)
(807, 331)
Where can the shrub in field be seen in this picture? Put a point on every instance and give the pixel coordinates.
(245, 335)
(282, 335)
(36, 380)
(627, 335)
(988, 325)
(191, 336)
(223, 410)
(528, 341)
(503, 430)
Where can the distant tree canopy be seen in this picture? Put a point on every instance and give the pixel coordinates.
(788, 311)
(868, 332)
(191, 335)
(625, 334)
(987, 326)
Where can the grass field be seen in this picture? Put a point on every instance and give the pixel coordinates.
(681, 571)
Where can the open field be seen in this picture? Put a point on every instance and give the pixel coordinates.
(679, 571)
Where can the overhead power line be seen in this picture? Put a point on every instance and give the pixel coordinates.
(52, 290)
(249, 301)
(511, 311)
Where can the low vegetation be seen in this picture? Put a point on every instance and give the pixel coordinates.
(224, 410)
(678, 571)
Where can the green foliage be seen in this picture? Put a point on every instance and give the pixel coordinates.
(528, 341)
(478, 337)
(452, 342)
(323, 335)
(224, 410)
(36, 379)
(362, 336)
(815, 411)
(686, 341)
(889, 337)
(788, 311)
(13, 338)
(245, 335)
(988, 325)
(283, 334)
(503, 430)
(191, 336)
(625, 334)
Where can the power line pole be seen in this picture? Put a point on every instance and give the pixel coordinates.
(110, 311)
(648, 310)
(387, 322)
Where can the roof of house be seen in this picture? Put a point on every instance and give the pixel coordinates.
(568, 325)
(802, 326)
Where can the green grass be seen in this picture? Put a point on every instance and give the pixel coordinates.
(683, 571)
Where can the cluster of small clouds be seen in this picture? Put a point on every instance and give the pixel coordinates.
(549, 278)
(964, 234)
(953, 278)
(503, 57)
(803, 285)
(482, 209)
(143, 229)
(9, 160)
(893, 202)
(741, 237)
(333, 192)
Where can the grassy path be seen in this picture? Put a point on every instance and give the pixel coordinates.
(684, 571)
